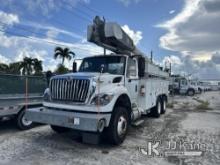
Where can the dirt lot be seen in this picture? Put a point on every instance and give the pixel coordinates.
(190, 124)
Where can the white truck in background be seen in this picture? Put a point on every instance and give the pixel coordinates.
(198, 85)
(181, 85)
(108, 93)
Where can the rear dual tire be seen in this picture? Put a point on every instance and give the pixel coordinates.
(160, 108)
(164, 105)
(156, 111)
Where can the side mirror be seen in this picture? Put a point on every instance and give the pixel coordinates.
(141, 66)
(132, 71)
(74, 67)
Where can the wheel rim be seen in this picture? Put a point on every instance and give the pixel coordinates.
(122, 126)
(190, 93)
(164, 105)
(159, 108)
(25, 121)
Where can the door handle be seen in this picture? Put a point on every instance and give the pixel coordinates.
(136, 88)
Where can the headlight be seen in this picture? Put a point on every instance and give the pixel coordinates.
(102, 99)
(47, 94)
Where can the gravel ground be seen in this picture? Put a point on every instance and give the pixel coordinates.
(188, 126)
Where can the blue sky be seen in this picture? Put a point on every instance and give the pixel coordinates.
(168, 27)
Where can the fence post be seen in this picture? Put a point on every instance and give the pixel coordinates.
(26, 93)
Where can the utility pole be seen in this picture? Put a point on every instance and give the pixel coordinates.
(104, 51)
(151, 56)
(170, 66)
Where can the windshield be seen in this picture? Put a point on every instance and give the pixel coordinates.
(112, 64)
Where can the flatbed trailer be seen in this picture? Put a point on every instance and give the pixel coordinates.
(19, 93)
(15, 107)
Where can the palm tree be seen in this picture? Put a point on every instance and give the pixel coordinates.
(14, 68)
(3, 68)
(26, 66)
(37, 65)
(63, 53)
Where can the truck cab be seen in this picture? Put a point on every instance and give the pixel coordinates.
(181, 85)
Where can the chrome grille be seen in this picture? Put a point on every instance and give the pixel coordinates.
(75, 90)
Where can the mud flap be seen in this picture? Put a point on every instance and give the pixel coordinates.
(91, 138)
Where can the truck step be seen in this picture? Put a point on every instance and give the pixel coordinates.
(138, 123)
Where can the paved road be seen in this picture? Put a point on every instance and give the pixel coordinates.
(182, 127)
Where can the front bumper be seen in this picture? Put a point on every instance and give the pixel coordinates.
(75, 120)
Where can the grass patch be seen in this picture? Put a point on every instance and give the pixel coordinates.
(204, 105)
(185, 105)
(170, 105)
(198, 100)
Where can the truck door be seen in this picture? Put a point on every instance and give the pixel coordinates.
(183, 86)
(132, 80)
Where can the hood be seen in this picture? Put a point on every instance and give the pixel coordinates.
(105, 78)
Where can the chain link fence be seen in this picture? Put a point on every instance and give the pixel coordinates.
(21, 85)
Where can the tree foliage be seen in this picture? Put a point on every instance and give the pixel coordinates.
(27, 67)
(63, 53)
(61, 69)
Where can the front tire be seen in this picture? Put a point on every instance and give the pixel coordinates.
(164, 105)
(190, 92)
(22, 122)
(117, 130)
(200, 90)
(59, 129)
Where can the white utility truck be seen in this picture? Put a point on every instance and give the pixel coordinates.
(181, 85)
(108, 92)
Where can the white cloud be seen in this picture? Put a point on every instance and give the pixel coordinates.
(195, 29)
(216, 58)
(172, 11)
(136, 36)
(128, 2)
(40, 7)
(52, 31)
(185, 65)
(8, 18)
(195, 34)
(28, 52)
(52, 34)
(4, 59)
(189, 9)
(7, 41)
(172, 59)
(42, 48)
